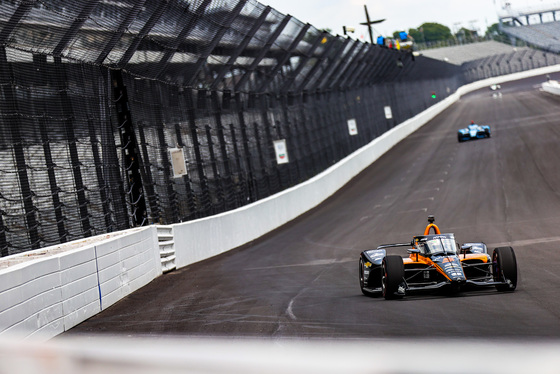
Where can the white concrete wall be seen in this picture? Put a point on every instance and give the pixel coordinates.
(57, 290)
(48, 291)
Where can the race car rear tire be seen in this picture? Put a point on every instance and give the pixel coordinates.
(504, 268)
(392, 276)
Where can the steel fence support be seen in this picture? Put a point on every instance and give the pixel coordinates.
(329, 125)
(148, 26)
(4, 250)
(350, 68)
(269, 153)
(111, 167)
(72, 31)
(310, 163)
(227, 178)
(368, 62)
(72, 147)
(203, 57)
(250, 178)
(186, 179)
(40, 76)
(215, 172)
(342, 112)
(303, 62)
(320, 120)
(190, 22)
(239, 202)
(263, 51)
(407, 63)
(337, 58)
(294, 146)
(94, 130)
(191, 115)
(10, 97)
(129, 150)
(146, 173)
(262, 162)
(281, 61)
(388, 66)
(240, 48)
(377, 74)
(338, 70)
(57, 205)
(9, 106)
(99, 174)
(317, 65)
(22, 10)
(163, 149)
(117, 35)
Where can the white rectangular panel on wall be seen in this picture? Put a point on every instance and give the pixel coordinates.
(388, 112)
(281, 151)
(178, 162)
(352, 127)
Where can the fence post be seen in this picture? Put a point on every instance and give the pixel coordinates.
(205, 193)
(9, 105)
(227, 178)
(147, 180)
(7, 88)
(186, 179)
(129, 150)
(250, 177)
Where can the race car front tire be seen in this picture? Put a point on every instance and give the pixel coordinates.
(504, 268)
(392, 276)
(362, 278)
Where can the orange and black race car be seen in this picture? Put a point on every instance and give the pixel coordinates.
(436, 262)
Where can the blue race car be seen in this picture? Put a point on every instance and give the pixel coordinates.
(474, 131)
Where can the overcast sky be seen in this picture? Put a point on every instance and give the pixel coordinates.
(399, 15)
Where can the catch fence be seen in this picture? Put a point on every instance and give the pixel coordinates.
(116, 114)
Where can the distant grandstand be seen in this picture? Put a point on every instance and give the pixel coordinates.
(460, 54)
(536, 25)
(491, 58)
(534, 41)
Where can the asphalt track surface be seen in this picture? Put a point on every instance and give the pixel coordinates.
(301, 281)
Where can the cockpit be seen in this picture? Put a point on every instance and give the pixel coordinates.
(436, 244)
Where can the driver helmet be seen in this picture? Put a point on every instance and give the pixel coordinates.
(472, 122)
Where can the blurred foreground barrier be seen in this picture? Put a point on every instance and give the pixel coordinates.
(249, 356)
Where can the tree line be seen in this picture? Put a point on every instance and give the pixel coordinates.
(431, 32)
